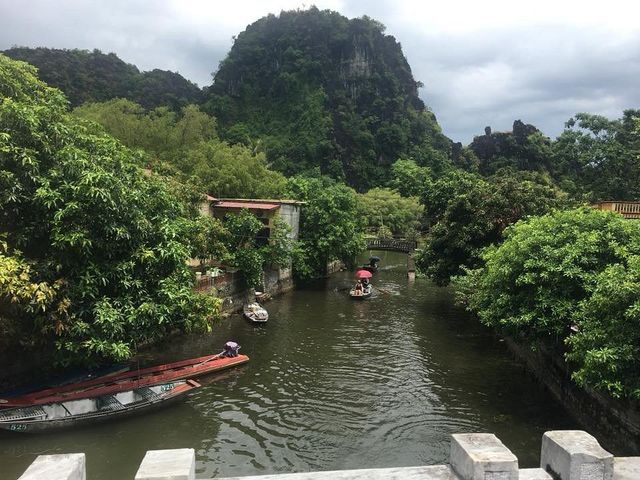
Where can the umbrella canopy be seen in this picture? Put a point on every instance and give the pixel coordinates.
(374, 259)
(363, 274)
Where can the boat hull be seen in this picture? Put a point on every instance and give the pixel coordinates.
(46, 424)
(360, 295)
(126, 381)
(255, 313)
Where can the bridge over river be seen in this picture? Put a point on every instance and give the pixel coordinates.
(392, 244)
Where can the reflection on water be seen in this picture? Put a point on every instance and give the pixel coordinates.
(332, 384)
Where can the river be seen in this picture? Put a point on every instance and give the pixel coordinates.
(332, 384)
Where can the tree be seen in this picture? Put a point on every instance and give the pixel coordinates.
(605, 350)
(600, 157)
(408, 178)
(382, 206)
(532, 284)
(250, 253)
(105, 244)
(159, 132)
(468, 213)
(331, 226)
(232, 171)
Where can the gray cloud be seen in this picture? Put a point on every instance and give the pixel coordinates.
(542, 74)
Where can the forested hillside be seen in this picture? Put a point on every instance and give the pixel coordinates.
(320, 90)
(95, 76)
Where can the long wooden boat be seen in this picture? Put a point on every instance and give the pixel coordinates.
(111, 384)
(66, 379)
(255, 312)
(361, 293)
(84, 411)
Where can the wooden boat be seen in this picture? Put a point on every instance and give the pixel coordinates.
(361, 293)
(94, 409)
(66, 379)
(255, 312)
(108, 385)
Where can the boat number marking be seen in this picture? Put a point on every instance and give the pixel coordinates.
(17, 427)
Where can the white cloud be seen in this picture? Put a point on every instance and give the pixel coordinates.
(482, 62)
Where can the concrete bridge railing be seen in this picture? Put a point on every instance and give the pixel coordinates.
(395, 244)
(565, 455)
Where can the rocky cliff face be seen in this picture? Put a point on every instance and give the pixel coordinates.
(323, 91)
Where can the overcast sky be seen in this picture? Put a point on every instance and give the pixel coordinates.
(482, 62)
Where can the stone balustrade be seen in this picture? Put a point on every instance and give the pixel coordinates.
(565, 455)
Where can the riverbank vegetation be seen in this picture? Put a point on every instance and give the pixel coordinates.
(311, 106)
(93, 252)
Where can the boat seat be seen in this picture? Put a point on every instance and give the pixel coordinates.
(21, 414)
(146, 393)
(111, 403)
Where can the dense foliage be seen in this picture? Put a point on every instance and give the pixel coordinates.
(93, 251)
(573, 270)
(86, 76)
(598, 158)
(250, 252)
(331, 224)
(606, 347)
(383, 206)
(468, 212)
(187, 143)
(324, 91)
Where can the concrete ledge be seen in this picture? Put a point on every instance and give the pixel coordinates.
(179, 464)
(534, 474)
(70, 466)
(482, 456)
(626, 468)
(438, 472)
(575, 455)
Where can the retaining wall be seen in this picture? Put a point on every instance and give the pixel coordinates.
(615, 422)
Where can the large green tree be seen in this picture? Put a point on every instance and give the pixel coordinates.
(383, 206)
(467, 212)
(532, 283)
(599, 158)
(331, 224)
(102, 245)
(605, 349)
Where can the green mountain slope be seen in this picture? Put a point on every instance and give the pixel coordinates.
(321, 90)
(95, 76)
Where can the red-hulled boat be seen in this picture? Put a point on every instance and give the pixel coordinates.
(107, 385)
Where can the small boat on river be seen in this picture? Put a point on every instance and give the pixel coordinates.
(372, 266)
(111, 384)
(255, 312)
(94, 408)
(361, 291)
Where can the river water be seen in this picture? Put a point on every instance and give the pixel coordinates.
(332, 384)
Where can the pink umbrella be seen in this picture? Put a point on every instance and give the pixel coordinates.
(363, 274)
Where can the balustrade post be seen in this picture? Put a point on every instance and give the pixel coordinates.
(482, 456)
(178, 464)
(575, 455)
(70, 466)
